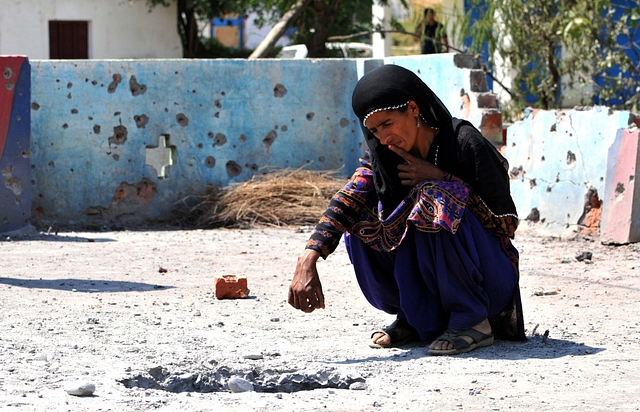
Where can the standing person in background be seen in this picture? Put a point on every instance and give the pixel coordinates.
(433, 35)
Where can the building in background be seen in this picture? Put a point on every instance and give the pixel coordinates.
(88, 29)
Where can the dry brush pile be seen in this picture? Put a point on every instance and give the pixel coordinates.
(283, 197)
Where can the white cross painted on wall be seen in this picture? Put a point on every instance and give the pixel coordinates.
(162, 156)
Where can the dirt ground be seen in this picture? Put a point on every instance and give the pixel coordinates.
(100, 307)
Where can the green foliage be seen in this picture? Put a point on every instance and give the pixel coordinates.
(320, 19)
(540, 42)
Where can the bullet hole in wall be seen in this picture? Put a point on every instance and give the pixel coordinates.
(96, 129)
(117, 78)
(117, 113)
(252, 166)
(74, 111)
(65, 126)
(182, 120)
(344, 122)
(136, 88)
(210, 161)
(534, 215)
(210, 135)
(279, 90)
(532, 183)
(35, 106)
(217, 104)
(548, 189)
(93, 82)
(141, 120)
(69, 96)
(619, 189)
(69, 85)
(119, 135)
(284, 128)
(321, 159)
(242, 138)
(51, 164)
(571, 157)
(217, 115)
(200, 145)
(116, 157)
(233, 168)
(310, 116)
(90, 118)
(220, 139)
(270, 138)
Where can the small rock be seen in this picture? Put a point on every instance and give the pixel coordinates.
(237, 385)
(358, 386)
(80, 388)
(197, 313)
(41, 357)
(253, 356)
(584, 256)
(565, 259)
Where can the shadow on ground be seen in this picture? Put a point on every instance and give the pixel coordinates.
(83, 285)
(536, 347)
(56, 238)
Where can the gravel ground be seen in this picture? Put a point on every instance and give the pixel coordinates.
(133, 312)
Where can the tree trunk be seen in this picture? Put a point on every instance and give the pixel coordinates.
(188, 30)
(323, 20)
(278, 30)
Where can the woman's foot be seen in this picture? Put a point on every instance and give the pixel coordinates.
(396, 334)
(453, 342)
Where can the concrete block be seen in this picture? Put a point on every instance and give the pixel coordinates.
(621, 212)
(465, 61)
(478, 81)
(487, 100)
(491, 126)
(231, 287)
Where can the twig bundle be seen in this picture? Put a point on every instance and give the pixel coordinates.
(279, 198)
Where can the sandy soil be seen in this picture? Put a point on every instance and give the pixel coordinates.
(95, 307)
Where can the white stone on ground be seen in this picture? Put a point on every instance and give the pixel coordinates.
(80, 388)
(237, 385)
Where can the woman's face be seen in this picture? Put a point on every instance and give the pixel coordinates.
(393, 127)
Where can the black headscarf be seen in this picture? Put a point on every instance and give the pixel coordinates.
(385, 87)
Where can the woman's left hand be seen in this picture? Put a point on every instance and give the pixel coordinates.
(416, 170)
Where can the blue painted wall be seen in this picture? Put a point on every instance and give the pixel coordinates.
(556, 157)
(226, 120)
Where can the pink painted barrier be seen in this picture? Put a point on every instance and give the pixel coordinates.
(621, 212)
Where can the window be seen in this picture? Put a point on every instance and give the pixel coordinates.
(68, 39)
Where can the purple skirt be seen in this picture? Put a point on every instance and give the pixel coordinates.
(439, 280)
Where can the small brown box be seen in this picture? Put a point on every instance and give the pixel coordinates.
(231, 287)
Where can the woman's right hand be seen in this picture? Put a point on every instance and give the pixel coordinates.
(305, 292)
